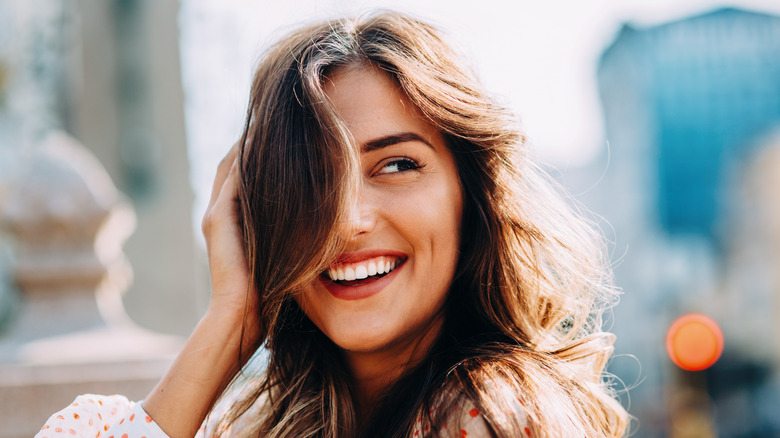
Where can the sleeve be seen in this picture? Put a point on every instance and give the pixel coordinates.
(95, 416)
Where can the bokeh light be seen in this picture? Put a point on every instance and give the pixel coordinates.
(694, 342)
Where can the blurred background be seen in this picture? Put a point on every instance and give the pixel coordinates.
(662, 117)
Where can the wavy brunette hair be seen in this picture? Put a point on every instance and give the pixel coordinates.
(522, 338)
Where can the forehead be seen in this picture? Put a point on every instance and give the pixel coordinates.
(371, 104)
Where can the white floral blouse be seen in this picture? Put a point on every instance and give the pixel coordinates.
(114, 416)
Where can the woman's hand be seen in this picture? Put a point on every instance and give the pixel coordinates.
(226, 335)
(232, 296)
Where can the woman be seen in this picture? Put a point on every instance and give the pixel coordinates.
(381, 230)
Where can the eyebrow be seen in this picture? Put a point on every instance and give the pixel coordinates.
(392, 139)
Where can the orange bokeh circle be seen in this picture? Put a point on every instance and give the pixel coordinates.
(694, 342)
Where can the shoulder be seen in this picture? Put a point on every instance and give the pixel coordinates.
(459, 416)
(222, 421)
(485, 397)
(464, 419)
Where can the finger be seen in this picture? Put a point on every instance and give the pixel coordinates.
(223, 170)
(229, 190)
(223, 210)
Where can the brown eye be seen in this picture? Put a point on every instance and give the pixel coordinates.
(398, 165)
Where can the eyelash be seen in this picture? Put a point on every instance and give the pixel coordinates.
(409, 163)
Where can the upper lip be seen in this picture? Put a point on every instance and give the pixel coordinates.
(359, 256)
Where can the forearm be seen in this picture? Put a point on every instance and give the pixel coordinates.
(210, 358)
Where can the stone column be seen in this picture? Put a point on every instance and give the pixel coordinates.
(129, 111)
(68, 223)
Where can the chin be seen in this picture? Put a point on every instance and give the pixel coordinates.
(360, 341)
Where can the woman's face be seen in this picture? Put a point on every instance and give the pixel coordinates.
(406, 220)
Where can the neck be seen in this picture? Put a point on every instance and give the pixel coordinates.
(375, 371)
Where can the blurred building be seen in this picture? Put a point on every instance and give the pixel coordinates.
(690, 109)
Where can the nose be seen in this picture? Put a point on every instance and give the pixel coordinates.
(360, 220)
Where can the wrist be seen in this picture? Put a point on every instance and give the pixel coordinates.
(235, 328)
(225, 318)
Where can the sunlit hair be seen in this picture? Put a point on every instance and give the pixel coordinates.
(523, 331)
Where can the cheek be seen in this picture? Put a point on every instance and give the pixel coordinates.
(310, 301)
(438, 212)
(432, 212)
(314, 304)
(430, 221)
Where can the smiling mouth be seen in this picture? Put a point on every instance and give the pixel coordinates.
(362, 272)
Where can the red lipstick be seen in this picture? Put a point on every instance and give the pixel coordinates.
(366, 287)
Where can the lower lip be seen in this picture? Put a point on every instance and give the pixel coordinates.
(360, 291)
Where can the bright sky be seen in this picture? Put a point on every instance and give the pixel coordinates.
(538, 57)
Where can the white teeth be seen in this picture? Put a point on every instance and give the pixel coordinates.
(360, 271)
